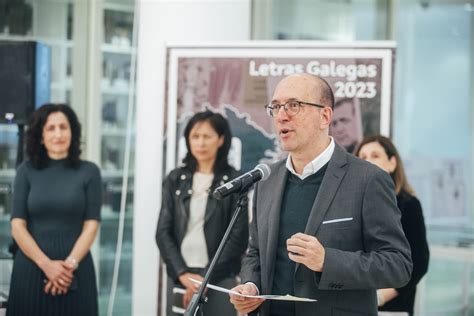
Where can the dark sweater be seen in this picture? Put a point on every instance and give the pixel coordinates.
(298, 199)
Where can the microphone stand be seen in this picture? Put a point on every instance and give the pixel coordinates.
(198, 298)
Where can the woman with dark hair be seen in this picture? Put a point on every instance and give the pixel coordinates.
(192, 222)
(55, 218)
(380, 151)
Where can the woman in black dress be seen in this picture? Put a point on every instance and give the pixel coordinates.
(192, 222)
(55, 218)
(380, 151)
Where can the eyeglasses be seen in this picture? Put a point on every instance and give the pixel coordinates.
(291, 107)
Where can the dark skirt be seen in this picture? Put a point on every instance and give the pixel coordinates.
(27, 295)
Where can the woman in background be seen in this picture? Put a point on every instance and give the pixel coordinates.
(55, 217)
(192, 222)
(380, 151)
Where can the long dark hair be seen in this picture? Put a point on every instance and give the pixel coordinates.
(221, 126)
(398, 175)
(36, 151)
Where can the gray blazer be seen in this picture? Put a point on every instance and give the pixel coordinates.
(356, 219)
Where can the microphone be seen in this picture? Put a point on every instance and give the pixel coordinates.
(260, 172)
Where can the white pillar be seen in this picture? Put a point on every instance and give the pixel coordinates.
(161, 21)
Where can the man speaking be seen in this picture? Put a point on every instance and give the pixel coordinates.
(325, 224)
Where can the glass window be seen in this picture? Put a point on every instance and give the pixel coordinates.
(116, 53)
(328, 20)
(433, 118)
(433, 129)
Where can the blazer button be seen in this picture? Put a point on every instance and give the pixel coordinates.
(178, 192)
(183, 177)
(225, 177)
(190, 191)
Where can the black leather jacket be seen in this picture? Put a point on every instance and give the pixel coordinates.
(173, 221)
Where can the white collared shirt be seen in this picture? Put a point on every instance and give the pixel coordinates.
(313, 166)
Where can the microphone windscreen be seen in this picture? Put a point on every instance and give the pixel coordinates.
(265, 169)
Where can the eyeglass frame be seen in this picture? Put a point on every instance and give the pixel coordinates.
(270, 107)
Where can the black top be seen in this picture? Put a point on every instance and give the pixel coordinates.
(296, 206)
(57, 197)
(414, 227)
(55, 201)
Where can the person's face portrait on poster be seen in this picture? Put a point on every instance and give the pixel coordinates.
(346, 124)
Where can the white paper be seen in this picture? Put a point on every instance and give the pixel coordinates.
(267, 297)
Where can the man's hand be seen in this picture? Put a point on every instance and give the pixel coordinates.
(245, 305)
(307, 250)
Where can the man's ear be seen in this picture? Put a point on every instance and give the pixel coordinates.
(326, 117)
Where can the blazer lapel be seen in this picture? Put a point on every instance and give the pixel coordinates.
(329, 186)
(276, 185)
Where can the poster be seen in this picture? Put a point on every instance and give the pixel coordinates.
(238, 81)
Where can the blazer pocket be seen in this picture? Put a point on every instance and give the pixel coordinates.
(341, 233)
(337, 220)
(338, 223)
